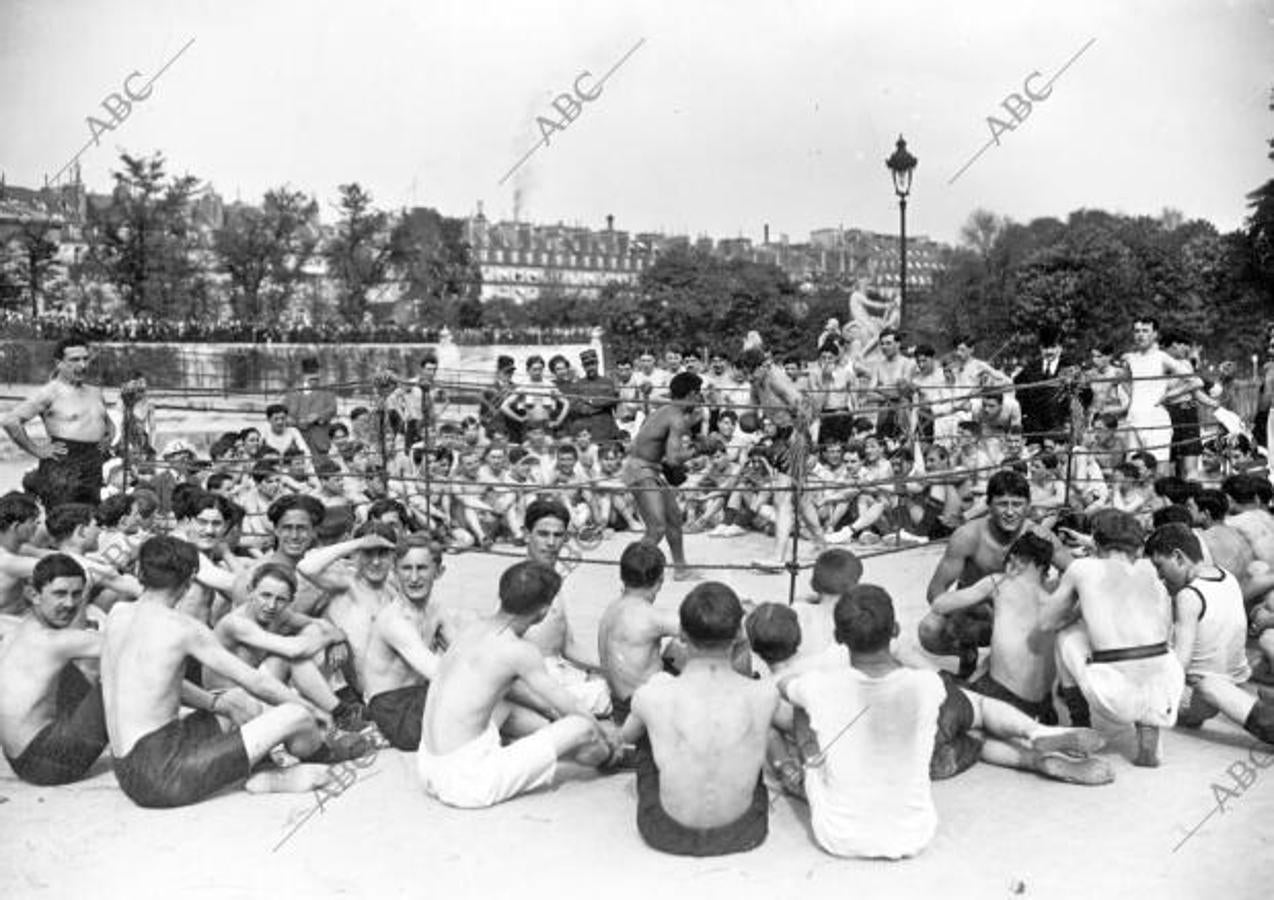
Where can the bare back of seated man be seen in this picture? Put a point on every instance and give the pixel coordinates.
(164, 759)
(1021, 667)
(52, 725)
(1116, 656)
(978, 549)
(461, 761)
(402, 652)
(699, 789)
(631, 631)
(658, 451)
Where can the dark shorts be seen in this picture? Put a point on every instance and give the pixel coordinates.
(399, 715)
(835, 426)
(1185, 431)
(1260, 721)
(1041, 711)
(954, 748)
(185, 761)
(73, 478)
(661, 832)
(67, 747)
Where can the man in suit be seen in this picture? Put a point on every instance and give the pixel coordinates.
(1044, 400)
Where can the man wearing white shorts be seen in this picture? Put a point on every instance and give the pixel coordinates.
(461, 761)
(1116, 659)
(1151, 370)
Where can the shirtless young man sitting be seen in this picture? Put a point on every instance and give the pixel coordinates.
(631, 631)
(978, 549)
(19, 519)
(1116, 657)
(460, 760)
(658, 449)
(79, 429)
(699, 791)
(264, 633)
(401, 657)
(52, 726)
(1021, 666)
(161, 758)
(1209, 634)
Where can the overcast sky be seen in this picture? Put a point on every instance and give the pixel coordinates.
(731, 114)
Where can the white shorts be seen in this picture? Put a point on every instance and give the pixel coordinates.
(1152, 431)
(1133, 691)
(482, 773)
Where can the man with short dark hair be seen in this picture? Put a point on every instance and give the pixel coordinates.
(593, 400)
(461, 761)
(699, 789)
(1043, 397)
(52, 725)
(79, 429)
(163, 759)
(632, 629)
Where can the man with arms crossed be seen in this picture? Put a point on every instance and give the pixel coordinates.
(460, 760)
(79, 429)
(52, 726)
(161, 758)
(1116, 656)
(699, 790)
(660, 447)
(977, 549)
(400, 658)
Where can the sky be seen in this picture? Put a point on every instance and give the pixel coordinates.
(724, 117)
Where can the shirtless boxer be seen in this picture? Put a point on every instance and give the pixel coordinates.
(699, 791)
(631, 631)
(19, 519)
(161, 758)
(1021, 666)
(1209, 634)
(978, 549)
(359, 592)
(1116, 657)
(79, 429)
(265, 634)
(660, 446)
(52, 727)
(401, 657)
(461, 761)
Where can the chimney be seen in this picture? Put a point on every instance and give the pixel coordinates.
(767, 233)
(610, 223)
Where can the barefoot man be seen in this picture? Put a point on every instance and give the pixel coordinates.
(80, 432)
(163, 759)
(657, 460)
(1116, 656)
(52, 726)
(461, 761)
(699, 790)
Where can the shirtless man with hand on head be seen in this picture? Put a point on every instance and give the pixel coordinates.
(631, 631)
(1021, 666)
(163, 759)
(79, 429)
(461, 761)
(699, 790)
(1116, 657)
(402, 651)
(52, 725)
(977, 549)
(19, 519)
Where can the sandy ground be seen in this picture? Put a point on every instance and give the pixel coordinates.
(1002, 834)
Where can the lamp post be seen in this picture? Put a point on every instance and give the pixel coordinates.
(901, 164)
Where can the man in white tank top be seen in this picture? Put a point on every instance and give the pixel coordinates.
(1151, 370)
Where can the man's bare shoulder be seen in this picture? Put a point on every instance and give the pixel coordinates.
(965, 539)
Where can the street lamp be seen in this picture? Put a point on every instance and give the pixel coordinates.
(901, 164)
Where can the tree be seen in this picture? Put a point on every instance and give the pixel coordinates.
(436, 262)
(143, 242)
(32, 264)
(264, 252)
(359, 256)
